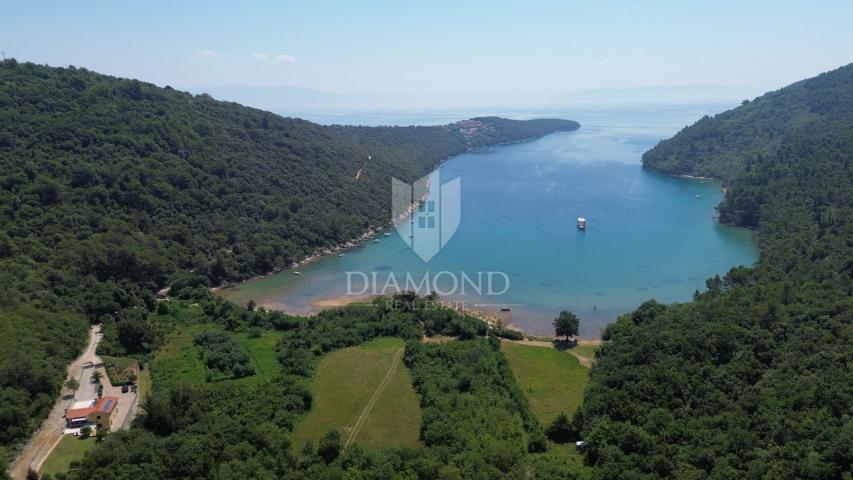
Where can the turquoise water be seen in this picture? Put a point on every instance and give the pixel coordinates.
(648, 235)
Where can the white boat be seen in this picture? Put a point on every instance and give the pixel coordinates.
(387, 234)
(698, 196)
(297, 273)
(581, 223)
(376, 240)
(340, 254)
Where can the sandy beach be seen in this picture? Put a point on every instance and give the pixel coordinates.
(338, 301)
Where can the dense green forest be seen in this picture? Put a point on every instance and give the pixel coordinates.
(753, 378)
(111, 189)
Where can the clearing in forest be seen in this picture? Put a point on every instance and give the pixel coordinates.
(366, 394)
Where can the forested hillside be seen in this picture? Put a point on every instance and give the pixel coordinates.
(753, 378)
(111, 189)
(727, 144)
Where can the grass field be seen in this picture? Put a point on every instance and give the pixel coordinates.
(262, 353)
(144, 383)
(344, 383)
(553, 381)
(585, 350)
(180, 361)
(70, 448)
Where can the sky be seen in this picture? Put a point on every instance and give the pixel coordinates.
(437, 48)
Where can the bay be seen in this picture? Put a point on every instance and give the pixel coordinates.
(648, 236)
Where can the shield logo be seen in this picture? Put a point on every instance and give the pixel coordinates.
(426, 213)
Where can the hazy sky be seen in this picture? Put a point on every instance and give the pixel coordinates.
(437, 47)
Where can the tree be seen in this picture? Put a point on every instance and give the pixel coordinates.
(86, 432)
(560, 430)
(250, 306)
(537, 443)
(72, 384)
(330, 446)
(134, 330)
(97, 376)
(567, 324)
(100, 435)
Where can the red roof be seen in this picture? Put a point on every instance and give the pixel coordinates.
(104, 404)
(78, 413)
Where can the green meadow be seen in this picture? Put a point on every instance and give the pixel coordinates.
(69, 449)
(179, 360)
(344, 384)
(552, 380)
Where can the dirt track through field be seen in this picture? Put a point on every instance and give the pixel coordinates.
(367, 408)
(585, 361)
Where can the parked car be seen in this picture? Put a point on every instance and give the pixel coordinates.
(125, 388)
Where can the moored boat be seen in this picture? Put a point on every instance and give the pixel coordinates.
(581, 223)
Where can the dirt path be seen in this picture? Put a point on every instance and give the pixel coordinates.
(363, 164)
(364, 413)
(584, 360)
(43, 440)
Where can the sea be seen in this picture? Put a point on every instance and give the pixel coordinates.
(515, 250)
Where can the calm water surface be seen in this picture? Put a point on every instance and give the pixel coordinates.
(648, 235)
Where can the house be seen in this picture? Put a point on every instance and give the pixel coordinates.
(99, 414)
(77, 415)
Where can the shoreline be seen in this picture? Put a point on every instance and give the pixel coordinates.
(373, 229)
(492, 318)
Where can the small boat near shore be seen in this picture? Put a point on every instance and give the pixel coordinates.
(297, 273)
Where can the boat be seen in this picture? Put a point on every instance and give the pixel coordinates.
(340, 254)
(297, 273)
(387, 234)
(698, 196)
(376, 240)
(505, 309)
(581, 223)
